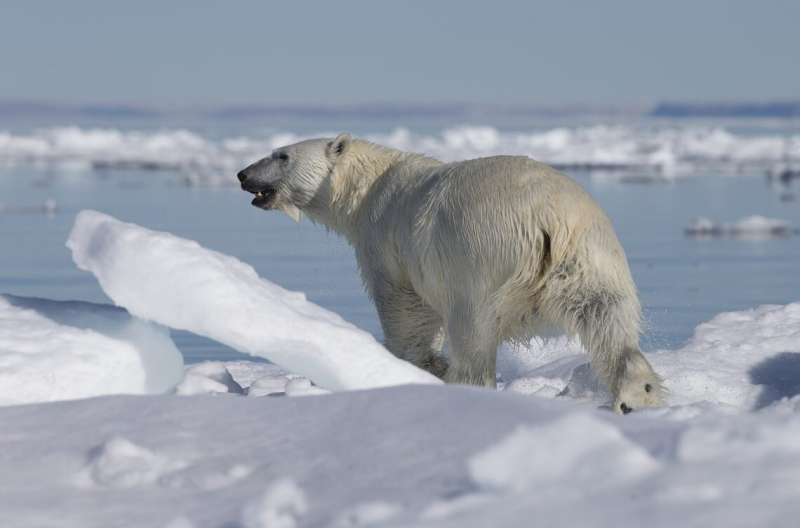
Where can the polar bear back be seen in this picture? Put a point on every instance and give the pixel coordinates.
(481, 220)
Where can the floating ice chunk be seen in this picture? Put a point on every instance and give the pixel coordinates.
(755, 226)
(703, 226)
(49, 208)
(178, 283)
(281, 506)
(58, 350)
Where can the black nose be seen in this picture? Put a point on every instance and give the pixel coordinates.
(624, 408)
(242, 176)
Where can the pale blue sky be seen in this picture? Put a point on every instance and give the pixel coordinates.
(491, 51)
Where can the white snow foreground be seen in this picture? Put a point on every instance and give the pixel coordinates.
(724, 453)
(56, 350)
(178, 283)
(423, 456)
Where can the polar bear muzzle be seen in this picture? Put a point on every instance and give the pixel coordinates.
(265, 198)
(264, 192)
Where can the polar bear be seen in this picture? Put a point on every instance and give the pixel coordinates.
(477, 252)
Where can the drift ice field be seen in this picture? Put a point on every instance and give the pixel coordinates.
(189, 361)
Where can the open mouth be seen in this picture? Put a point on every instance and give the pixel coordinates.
(264, 198)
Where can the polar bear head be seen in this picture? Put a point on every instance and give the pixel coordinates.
(293, 176)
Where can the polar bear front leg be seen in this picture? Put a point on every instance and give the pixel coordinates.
(412, 330)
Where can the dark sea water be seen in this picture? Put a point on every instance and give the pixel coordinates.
(682, 281)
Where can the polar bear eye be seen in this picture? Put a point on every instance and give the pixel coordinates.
(281, 156)
(648, 387)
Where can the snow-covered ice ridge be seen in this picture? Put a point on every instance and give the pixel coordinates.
(669, 151)
(58, 350)
(180, 284)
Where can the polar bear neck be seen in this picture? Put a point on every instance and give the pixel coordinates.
(352, 178)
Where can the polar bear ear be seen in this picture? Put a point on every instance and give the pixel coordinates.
(339, 145)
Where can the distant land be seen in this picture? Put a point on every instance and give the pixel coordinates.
(774, 109)
(35, 108)
(462, 111)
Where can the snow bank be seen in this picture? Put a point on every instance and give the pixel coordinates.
(745, 359)
(178, 283)
(750, 227)
(281, 506)
(119, 463)
(670, 150)
(55, 350)
(423, 456)
(529, 459)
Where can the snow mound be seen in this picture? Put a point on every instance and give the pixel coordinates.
(281, 506)
(750, 227)
(180, 284)
(120, 463)
(738, 360)
(423, 456)
(532, 459)
(747, 359)
(58, 350)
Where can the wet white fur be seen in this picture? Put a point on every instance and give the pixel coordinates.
(486, 250)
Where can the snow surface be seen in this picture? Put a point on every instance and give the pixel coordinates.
(55, 350)
(670, 150)
(178, 283)
(229, 450)
(753, 227)
(747, 359)
(426, 456)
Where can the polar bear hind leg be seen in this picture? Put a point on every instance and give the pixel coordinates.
(607, 319)
(473, 339)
